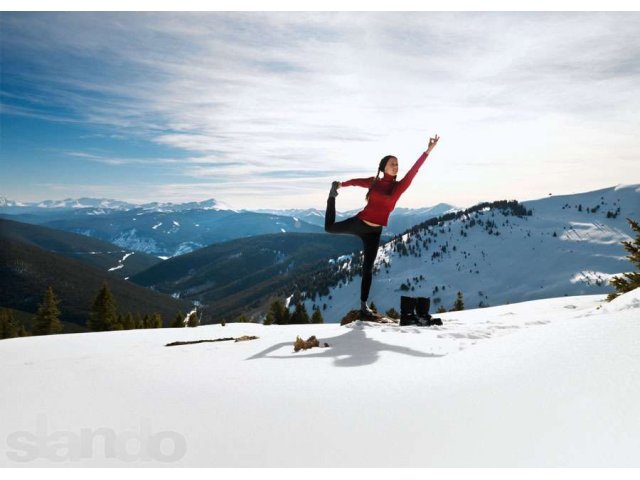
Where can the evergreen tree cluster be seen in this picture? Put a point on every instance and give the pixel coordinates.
(630, 280)
(278, 314)
(459, 303)
(426, 233)
(9, 327)
(610, 213)
(45, 322)
(103, 317)
(47, 319)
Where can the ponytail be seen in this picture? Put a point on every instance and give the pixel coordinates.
(375, 179)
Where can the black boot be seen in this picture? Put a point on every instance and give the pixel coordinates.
(334, 189)
(422, 310)
(435, 321)
(423, 313)
(407, 314)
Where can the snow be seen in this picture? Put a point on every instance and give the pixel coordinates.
(121, 262)
(591, 277)
(287, 301)
(157, 225)
(186, 247)
(210, 204)
(129, 239)
(552, 382)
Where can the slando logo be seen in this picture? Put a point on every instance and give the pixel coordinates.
(127, 445)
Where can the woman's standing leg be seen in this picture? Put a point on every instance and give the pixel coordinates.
(371, 243)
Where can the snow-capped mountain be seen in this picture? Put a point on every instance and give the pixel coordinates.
(544, 383)
(400, 219)
(168, 229)
(210, 204)
(568, 245)
(173, 233)
(74, 203)
(103, 205)
(292, 212)
(161, 229)
(6, 203)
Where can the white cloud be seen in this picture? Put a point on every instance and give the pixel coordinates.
(334, 92)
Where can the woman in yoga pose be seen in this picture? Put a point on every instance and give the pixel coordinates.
(382, 195)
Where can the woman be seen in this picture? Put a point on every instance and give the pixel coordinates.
(381, 199)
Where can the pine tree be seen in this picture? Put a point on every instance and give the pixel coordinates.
(193, 321)
(300, 314)
(155, 321)
(632, 280)
(128, 323)
(138, 322)
(178, 322)
(441, 309)
(459, 303)
(269, 319)
(8, 327)
(146, 321)
(103, 312)
(47, 320)
(278, 312)
(119, 323)
(317, 317)
(242, 319)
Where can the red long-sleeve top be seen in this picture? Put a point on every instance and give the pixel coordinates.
(380, 204)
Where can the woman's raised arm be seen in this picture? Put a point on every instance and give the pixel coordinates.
(408, 178)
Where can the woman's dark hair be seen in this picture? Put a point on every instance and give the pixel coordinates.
(381, 167)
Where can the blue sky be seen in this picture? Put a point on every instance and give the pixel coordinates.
(264, 110)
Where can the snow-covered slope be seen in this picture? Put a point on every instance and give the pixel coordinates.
(551, 382)
(567, 246)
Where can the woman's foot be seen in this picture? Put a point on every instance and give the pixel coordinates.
(366, 312)
(334, 189)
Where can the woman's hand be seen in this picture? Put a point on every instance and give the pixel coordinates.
(433, 141)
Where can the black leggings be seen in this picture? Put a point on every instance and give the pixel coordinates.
(370, 239)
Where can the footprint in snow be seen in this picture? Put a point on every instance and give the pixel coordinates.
(538, 322)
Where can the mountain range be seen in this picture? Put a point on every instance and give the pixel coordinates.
(494, 253)
(169, 230)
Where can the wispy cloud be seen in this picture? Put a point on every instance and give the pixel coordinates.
(309, 95)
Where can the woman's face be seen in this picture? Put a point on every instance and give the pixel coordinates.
(391, 168)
